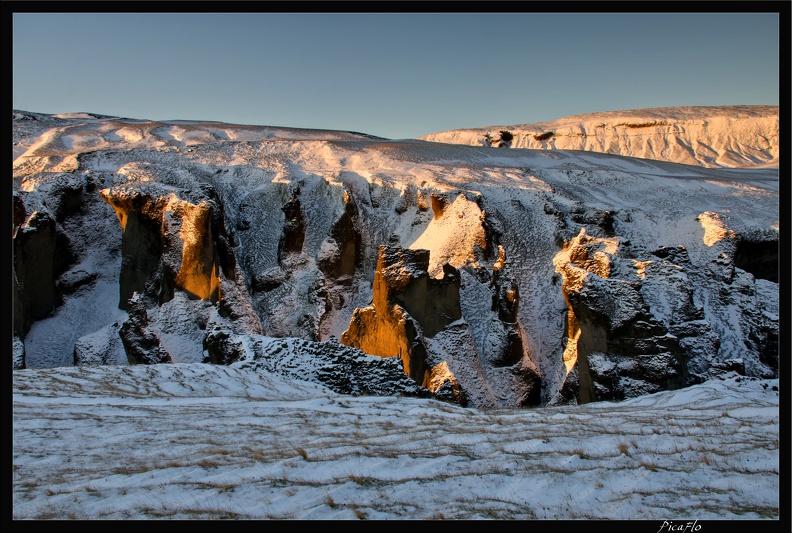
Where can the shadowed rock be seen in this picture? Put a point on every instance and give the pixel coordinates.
(35, 256)
(141, 343)
(291, 241)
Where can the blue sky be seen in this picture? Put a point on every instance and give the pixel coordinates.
(393, 75)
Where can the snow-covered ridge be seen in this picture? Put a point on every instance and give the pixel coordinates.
(37, 134)
(711, 136)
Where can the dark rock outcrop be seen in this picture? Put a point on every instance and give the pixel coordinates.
(339, 264)
(141, 343)
(633, 324)
(291, 241)
(619, 348)
(759, 257)
(36, 250)
(343, 369)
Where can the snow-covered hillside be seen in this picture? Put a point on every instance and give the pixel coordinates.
(726, 136)
(496, 277)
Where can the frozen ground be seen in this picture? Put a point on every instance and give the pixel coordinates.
(195, 441)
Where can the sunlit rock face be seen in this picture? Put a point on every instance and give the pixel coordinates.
(174, 243)
(169, 243)
(495, 278)
(418, 318)
(407, 306)
(457, 234)
(635, 326)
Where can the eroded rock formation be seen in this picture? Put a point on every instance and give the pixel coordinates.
(141, 343)
(408, 306)
(170, 243)
(495, 278)
(416, 316)
(634, 325)
(36, 295)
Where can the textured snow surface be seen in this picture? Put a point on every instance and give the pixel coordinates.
(195, 441)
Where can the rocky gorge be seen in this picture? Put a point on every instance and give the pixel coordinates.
(489, 277)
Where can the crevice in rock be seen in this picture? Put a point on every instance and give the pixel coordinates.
(170, 243)
(291, 241)
(36, 252)
(760, 258)
(345, 241)
(339, 260)
(141, 244)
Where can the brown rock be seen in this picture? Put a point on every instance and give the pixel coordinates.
(407, 305)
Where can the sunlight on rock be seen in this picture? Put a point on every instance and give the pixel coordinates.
(591, 254)
(407, 306)
(570, 350)
(199, 270)
(581, 256)
(453, 234)
(640, 267)
(715, 229)
(731, 136)
(118, 208)
(439, 376)
(501, 262)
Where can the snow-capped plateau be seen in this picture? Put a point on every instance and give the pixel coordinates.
(744, 136)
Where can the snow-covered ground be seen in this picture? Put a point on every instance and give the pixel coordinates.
(196, 441)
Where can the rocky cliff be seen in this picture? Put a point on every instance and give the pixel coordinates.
(488, 277)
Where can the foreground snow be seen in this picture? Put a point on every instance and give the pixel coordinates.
(195, 441)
